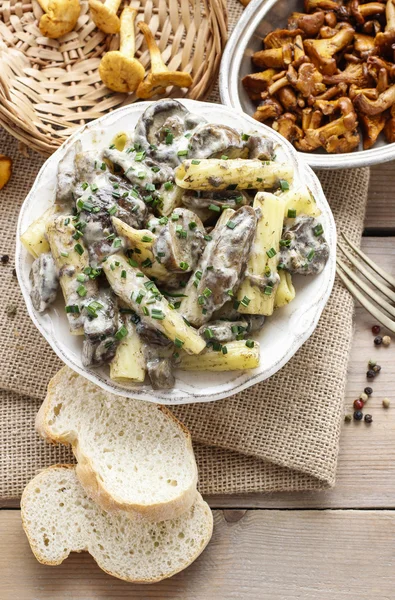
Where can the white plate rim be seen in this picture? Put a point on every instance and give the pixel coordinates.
(165, 397)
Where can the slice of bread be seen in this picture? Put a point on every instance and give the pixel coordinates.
(58, 518)
(132, 455)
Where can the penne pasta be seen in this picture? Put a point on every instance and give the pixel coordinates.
(128, 363)
(34, 239)
(285, 292)
(300, 200)
(238, 356)
(142, 295)
(217, 174)
(258, 290)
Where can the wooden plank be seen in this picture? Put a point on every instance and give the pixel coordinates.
(380, 211)
(314, 555)
(366, 472)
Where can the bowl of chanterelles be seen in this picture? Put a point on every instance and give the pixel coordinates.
(319, 72)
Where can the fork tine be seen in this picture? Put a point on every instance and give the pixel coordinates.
(371, 308)
(371, 278)
(388, 278)
(362, 284)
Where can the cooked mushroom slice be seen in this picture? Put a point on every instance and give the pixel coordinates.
(160, 373)
(196, 200)
(161, 130)
(275, 58)
(363, 44)
(152, 336)
(313, 5)
(101, 316)
(224, 331)
(255, 83)
(374, 107)
(389, 129)
(356, 74)
(268, 109)
(307, 80)
(256, 322)
(214, 141)
(95, 354)
(67, 176)
(303, 246)
(45, 282)
(362, 11)
(139, 171)
(322, 52)
(260, 147)
(309, 24)
(287, 127)
(371, 128)
(180, 242)
(222, 265)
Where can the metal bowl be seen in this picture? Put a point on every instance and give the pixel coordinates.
(260, 17)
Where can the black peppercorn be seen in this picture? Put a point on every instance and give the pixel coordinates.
(370, 374)
(368, 391)
(368, 418)
(4, 259)
(377, 368)
(378, 340)
(358, 415)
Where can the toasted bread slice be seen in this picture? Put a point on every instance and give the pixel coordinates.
(58, 518)
(132, 455)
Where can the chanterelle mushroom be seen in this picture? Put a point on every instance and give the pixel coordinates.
(5, 170)
(371, 128)
(385, 40)
(119, 70)
(160, 76)
(309, 24)
(374, 107)
(322, 51)
(60, 17)
(105, 16)
(389, 129)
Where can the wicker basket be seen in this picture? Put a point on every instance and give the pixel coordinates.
(49, 88)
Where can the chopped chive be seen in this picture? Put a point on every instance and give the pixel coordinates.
(139, 274)
(192, 225)
(201, 300)
(103, 166)
(84, 185)
(208, 238)
(184, 266)
(259, 179)
(250, 343)
(224, 157)
(284, 185)
(141, 175)
(77, 235)
(67, 221)
(175, 217)
(217, 347)
(169, 138)
(195, 162)
(245, 137)
(79, 249)
(139, 156)
(113, 210)
(231, 224)
(65, 254)
(239, 199)
(204, 311)
(147, 263)
(207, 292)
(81, 278)
(163, 221)
(198, 275)
(280, 266)
(150, 187)
(112, 267)
(72, 309)
(175, 295)
(268, 290)
(186, 322)
(159, 316)
(179, 343)
(133, 263)
(311, 255)
(117, 243)
(145, 311)
(318, 230)
(236, 304)
(246, 300)
(214, 208)
(110, 237)
(140, 296)
(155, 169)
(271, 252)
(117, 263)
(291, 213)
(169, 185)
(149, 285)
(123, 274)
(188, 135)
(208, 333)
(112, 146)
(121, 333)
(182, 152)
(81, 290)
(232, 186)
(224, 350)
(235, 329)
(285, 243)
(146, 238)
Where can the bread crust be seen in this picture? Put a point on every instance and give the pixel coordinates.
(40, 478)
(90, 480)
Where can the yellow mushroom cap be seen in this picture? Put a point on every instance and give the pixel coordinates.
(60, 18)
(120, 73)
(105, 19)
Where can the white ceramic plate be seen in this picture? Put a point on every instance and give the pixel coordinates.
(281, 335)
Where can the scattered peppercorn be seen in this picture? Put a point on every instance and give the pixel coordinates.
(368, 391)
(358, 404)
(377, 368)
(378, 340)
(386, 340)
(368, 418)
(364, 397)
(376, 329)
(5, 259)
(386, 402)
(372, 363)
(348, 418)
(370, 374)
(358, 415)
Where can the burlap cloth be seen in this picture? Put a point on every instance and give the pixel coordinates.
(282, 434)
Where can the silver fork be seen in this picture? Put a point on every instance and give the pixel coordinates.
(360, 291)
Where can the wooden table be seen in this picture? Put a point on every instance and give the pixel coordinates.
(332, 545)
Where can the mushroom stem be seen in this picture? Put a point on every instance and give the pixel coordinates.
(104, 15)
(44, 4)
(157, 63)
(112, 5)
(127, 44)
(390, 15)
